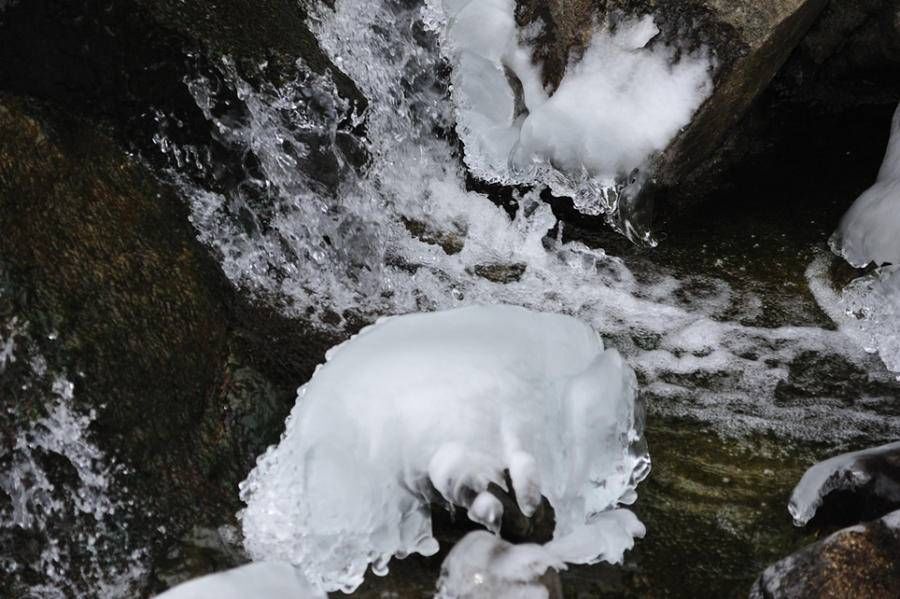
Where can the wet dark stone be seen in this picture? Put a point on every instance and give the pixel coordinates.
(813, 376)
(860, 561)
(125, 63)
(190, 382)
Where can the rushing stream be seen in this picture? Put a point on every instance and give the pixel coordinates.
(347, 212)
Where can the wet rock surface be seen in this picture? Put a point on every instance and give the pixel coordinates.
(860, 561)
(191, 381)
(184, 376)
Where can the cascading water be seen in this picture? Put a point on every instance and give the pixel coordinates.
(341, 214)
(331, 224)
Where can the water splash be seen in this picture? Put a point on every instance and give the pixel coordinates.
(62, 532)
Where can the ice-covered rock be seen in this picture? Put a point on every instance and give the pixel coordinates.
(622, 101)
(877, 468)
(257, 580)
(435, 407)
(868, 233)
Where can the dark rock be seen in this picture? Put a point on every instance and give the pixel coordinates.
(850, 57)
(127, 64)
(860, 561)
(189, 382)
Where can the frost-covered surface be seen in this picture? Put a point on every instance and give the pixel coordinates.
(57, 489)
(258, 580)
(403, 235)
(868, 232)
(620, 103)
(445, 402)
(867, 310)
(843, 472)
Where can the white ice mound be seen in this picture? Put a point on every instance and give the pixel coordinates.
(843, 472)
(443, 403)
(625, 99)
(870, 231)
(258, 580)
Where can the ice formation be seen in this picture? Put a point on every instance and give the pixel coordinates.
(843, 472)
(868, 233)
(402, 234)
(258, 580)
(623, 101)
(483, 566)
(867, 310)
(445, 402)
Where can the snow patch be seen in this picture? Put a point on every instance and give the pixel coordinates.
(437, 406)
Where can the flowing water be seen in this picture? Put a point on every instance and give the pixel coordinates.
(321, 236)
(64, 529)
(344, 213)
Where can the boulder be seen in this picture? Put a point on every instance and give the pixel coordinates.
(849, 57)
(860, 561)
(128, 63)
(750, 40)
(188, 381)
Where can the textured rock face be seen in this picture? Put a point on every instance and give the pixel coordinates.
(860, 561)
(189, 383)
(850, 56)
(749, 39)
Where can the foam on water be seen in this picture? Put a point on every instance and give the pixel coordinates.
(325, 237)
